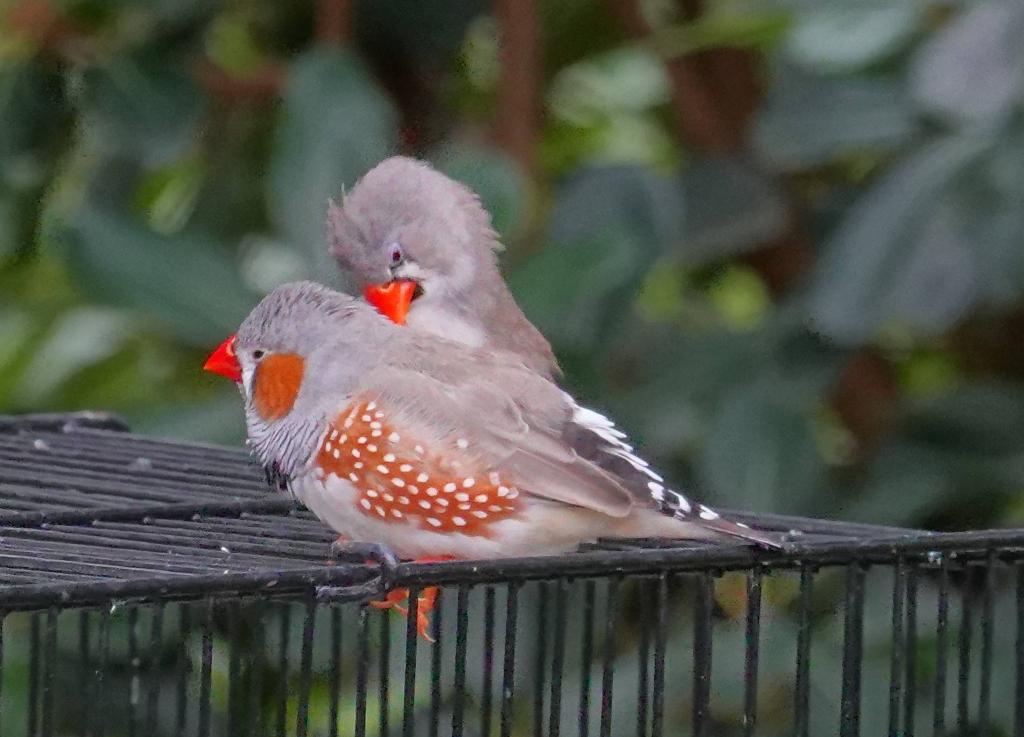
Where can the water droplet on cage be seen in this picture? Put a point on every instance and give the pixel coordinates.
(934, 557)
(40, 444)
(141, 462)
(225, 549)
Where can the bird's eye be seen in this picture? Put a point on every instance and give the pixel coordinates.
(395, 255)
(258, 354)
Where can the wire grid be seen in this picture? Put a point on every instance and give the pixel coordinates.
(156, 588)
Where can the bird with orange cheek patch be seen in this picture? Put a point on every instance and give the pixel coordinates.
(422, 247)
(433, 448)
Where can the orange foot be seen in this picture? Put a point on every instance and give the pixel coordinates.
(424, 602)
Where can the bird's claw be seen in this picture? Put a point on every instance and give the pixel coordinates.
(370, 554)
(425, 602)
(376, 554)
(349, 551)
(392, 600)
(424, 605)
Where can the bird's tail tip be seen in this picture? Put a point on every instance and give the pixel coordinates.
(764, 539)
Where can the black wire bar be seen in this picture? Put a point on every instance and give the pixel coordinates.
(151, 588)
(260, 665)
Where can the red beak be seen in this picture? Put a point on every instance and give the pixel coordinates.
(392, 299)
(223, 361)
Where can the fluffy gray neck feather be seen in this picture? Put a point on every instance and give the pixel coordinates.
(289, 442)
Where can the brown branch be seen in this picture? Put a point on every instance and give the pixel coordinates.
(715, 93)
(333, 22)
(701, 120)
(733, 76)
(691, 9)
(865, 399)
(44, 26)
(782, 261)
(261, 84)
(36, 20)
(517, 114)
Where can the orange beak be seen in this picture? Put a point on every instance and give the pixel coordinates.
(392, 299)
(223, 361)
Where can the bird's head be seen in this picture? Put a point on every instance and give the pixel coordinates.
(295, 357)
(412, 236)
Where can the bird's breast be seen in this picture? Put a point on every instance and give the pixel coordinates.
(433, 318)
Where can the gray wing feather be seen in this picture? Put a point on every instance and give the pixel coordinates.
(503, 433)
(525, 425)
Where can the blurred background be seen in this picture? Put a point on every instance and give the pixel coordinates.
(781, 242)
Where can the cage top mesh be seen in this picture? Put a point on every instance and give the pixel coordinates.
(153, 566)
(90, 512)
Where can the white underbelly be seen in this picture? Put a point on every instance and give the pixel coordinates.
(335, 502)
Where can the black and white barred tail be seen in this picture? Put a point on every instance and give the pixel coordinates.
(596, 438)
(676, 505)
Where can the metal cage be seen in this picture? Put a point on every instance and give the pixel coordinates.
(157, 588)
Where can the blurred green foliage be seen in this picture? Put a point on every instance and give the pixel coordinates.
(822, 315)
(821, 319)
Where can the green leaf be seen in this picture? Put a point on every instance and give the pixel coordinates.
(622, 199)
(983, 418)
(493, 176)
(682, 379)
(984, 211)
(18, 214)
(187, 282)
(608, 226)
(624, 138)
(230, 44)
(145, 106)
(960, 452)
(808, 121)
(845, 36)
(605, 110)
(79, 338)
(218, 420)
(897, 257)
(730, 208)
(629, 79)
(31, 116)
(417, 28)
(910, 480)
(569, 293)
(749, 29)
(23, 332)
(335, 125)
(973, 69)
(740, 296)
(762, 454)
(168, 195)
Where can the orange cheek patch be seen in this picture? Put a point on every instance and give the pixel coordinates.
(399, 482)
(276, 384)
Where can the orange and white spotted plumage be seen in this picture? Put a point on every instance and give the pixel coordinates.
(399, 482)
(373, 481)
(434, 448)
